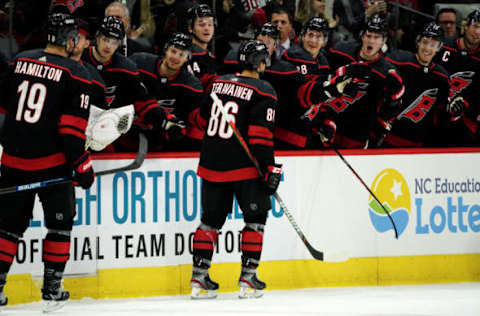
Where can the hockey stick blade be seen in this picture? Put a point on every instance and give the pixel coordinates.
(314, 252)
(137, 163)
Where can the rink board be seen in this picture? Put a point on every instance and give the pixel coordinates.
(132, 233)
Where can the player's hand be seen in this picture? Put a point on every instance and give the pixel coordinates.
(83, 175)
(457, 106)
(272, 178)
(155, 118)
(174, 127)
(327, 131)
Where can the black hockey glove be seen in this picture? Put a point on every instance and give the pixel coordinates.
(83, 174)
(348, 80)
(389, 110)
(155, 118)
(327, 131)
(175, 128)
(457, 106)
(378, 133)
(314, 115)
(272, 178)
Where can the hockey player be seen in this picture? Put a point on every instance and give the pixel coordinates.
(178, 92)
(227, 171)
(365, 112)
(307, 57)
(123, 82)
(294, 94)
(461, 58)
(46, 104)
(201, 26)
(426, 92)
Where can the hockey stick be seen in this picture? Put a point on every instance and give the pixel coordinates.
(315, 253)
(363, 183)
(142, 152)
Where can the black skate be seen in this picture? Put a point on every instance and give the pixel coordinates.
(250, 285)
(202, 286)
(53, 294)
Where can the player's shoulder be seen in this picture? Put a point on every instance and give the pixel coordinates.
(346, 49)
(122, 62)
(282, 67)
(189, 81)
(297, 53)
(232, 56)
(94, 74)
(400, 56)
(144, 60)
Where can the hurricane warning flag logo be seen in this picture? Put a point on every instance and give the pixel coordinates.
(392, 190)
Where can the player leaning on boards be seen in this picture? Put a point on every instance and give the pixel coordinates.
(227, 171)
(46, 109)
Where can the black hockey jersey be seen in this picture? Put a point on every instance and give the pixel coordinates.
(251, 104)
(291, 89)
(202, 64)
(123, 83)
(98, 95)
(46, 102)
(464, 69)
(181, 95)
(356, 117)
(309, 67)
(424, 101)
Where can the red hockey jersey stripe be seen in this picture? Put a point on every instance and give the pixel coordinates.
(228, 175)
(72, 131)
(290, 137)
(34, 163)
(8, 246)
(73, 121)
(259, 131)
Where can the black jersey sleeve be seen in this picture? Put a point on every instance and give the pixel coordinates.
(260, 129)
(74, 115)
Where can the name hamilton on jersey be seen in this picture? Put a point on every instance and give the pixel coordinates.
(38, 70)
(233, 90)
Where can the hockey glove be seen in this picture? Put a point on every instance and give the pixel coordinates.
(348, 80)
(314, 115)
(378, 133)
(83, 175)
(272, 178)
(457, 106)
(174, 127)
(327, 131)
(155, 118)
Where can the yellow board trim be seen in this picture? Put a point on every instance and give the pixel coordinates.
(174, 280)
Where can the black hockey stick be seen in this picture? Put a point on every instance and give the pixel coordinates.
(363, 183)
(142, 152)
(315, 253)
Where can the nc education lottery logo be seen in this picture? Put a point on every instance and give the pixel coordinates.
(392, 190)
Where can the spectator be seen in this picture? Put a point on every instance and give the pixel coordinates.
(131, 42)
(283, 20)
(308, 9)
(447, 19)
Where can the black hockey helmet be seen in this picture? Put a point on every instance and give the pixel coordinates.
(375, 24)
(60, 28)
(431, 30)
(199, 11)
(270, 30)
(252, 53)
(112, 27)
(473, 16)
(180, 41)
(316, 24)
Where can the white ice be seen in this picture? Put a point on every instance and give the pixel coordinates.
(462, 299)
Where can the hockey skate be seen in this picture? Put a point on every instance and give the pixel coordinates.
(53, 295)
(202, 286)
(250, 285)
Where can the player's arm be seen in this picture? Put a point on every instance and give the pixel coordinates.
(260, 140)
(71, 128)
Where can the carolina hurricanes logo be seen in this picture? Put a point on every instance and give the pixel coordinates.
(460, 81)
(110, 94)
(340, 104)
(417, 110)
(73, 5)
